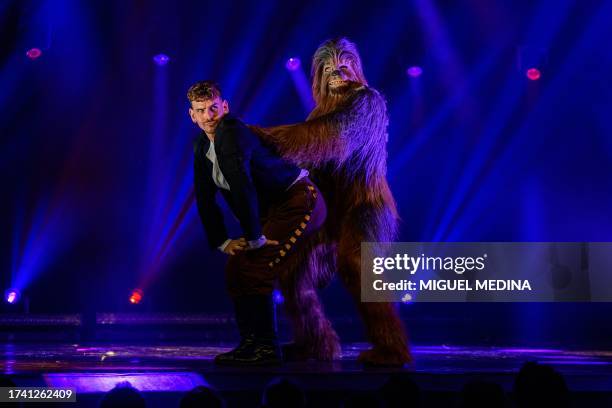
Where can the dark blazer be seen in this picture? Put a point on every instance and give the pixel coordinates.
(256, 175)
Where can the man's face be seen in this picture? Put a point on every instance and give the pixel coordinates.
(337, 74)
(208, 113)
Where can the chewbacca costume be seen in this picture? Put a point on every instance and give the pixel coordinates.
(343, 143)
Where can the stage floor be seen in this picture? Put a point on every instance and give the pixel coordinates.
(436, 368)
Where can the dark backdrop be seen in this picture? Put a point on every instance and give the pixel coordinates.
(96, 144)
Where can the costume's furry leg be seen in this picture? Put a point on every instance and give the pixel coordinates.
(314, 336)
(384, 329)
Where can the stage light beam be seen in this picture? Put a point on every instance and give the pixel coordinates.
(300, 81)
(277, 296)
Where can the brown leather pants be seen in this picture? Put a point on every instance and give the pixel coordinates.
(289, 221)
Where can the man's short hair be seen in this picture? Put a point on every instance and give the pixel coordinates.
(203, 90)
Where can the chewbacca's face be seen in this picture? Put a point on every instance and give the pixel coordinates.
(336, 69)
(338, 73)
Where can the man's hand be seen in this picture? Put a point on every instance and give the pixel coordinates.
(270, 242)
(235, 245)
(260, 242)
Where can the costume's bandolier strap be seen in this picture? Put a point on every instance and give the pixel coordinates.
(297, 233)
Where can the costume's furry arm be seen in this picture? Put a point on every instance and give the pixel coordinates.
(332, 136)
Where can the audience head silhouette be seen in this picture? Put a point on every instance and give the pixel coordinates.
(401, 391)
(538, 385)
(482, 394)
(123, 396)
(282, 392)
(202, 396)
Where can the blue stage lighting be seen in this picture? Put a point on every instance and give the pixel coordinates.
(277, 296)
(414, 71)
(293, 64)
(161, 59)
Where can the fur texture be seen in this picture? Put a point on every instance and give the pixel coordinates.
(343, 143)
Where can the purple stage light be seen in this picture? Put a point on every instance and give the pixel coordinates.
(293, 64)
(161, 59)
(533, 74)
(277, 296)
(301, 82)
(12, 296)
(33, 53)
(414, 72)
(87, 383)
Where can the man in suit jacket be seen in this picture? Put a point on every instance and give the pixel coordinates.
(275, 203)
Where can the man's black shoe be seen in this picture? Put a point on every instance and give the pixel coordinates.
(258, 354)
(227, 358)
(255, 316)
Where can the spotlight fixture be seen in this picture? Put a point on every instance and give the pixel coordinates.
(33, 53)
(136, 296)
(533, 74)
(12, 296)
(161, 59)
(531, 61)
(277, 297)
(414, 71)
(293, 64)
